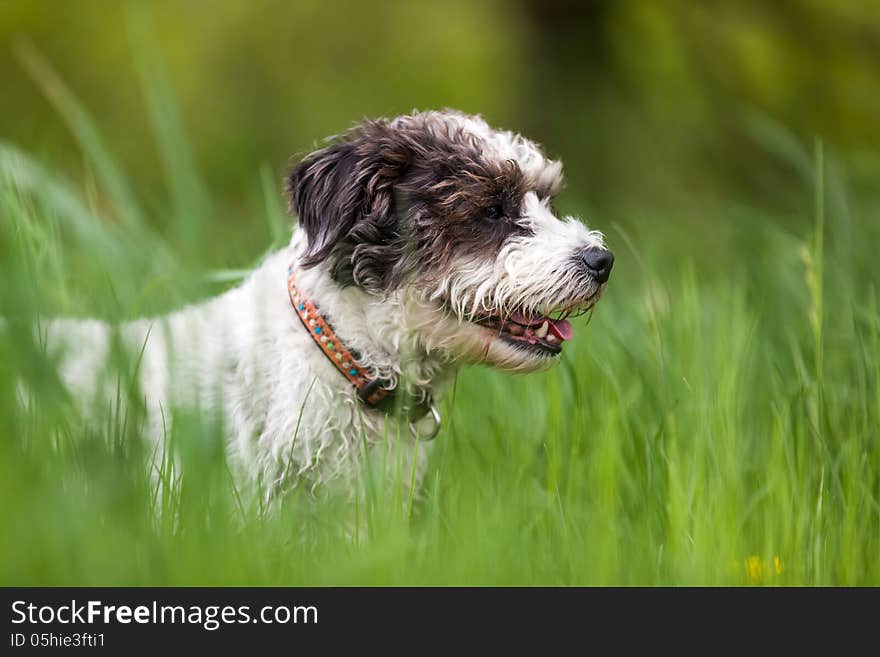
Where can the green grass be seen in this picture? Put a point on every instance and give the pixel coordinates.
(716, 422)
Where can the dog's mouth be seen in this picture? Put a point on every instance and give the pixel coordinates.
(543, 334)
(538, 332)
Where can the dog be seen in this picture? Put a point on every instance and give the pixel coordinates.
(425, 243)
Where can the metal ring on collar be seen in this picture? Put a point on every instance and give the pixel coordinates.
(435, 426)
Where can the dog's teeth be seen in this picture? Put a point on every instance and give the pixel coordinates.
(542, 331)
(552, 339)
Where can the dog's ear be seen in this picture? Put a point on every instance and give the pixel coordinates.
(344, 198)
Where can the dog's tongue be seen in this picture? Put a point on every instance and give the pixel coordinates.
(561, 328)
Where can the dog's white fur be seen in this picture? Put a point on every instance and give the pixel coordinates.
(245, 356)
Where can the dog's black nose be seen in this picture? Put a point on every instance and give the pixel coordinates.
(599, 261)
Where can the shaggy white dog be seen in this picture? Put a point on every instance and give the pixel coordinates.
(425, 242)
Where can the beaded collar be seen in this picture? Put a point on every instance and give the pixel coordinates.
(370, 389)
(374, 392)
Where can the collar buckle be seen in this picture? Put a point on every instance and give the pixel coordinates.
(366, 391)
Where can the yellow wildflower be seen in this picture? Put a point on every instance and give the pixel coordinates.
(755, 567)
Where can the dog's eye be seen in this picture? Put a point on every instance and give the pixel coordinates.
(495, 212)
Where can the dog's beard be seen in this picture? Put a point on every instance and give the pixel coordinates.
(465, 342)
(513, 333)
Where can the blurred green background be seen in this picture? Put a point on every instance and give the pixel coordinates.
(652, 104)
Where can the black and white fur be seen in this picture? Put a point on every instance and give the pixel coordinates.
(411, 231)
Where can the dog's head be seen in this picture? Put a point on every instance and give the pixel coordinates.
(457, 219)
